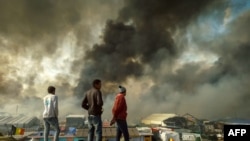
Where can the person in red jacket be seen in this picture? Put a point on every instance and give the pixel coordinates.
(119, 111)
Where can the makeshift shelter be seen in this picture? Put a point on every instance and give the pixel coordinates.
(157, 119)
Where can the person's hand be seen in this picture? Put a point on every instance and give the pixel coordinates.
(112, 122)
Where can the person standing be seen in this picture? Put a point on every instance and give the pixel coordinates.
(92, 102)
(50, 113)
(119, 111)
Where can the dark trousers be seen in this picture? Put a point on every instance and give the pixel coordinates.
(122, 128)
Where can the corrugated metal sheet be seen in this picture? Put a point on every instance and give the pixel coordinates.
(17, 120)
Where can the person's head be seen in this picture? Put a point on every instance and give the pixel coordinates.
(97, 84)
(51, 89)
(122, 90)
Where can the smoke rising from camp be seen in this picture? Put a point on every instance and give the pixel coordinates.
(140, 36)
(173, 57)
(43, 43)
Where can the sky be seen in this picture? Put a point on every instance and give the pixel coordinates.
(172, 57)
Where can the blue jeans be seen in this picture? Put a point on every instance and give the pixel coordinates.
(52, 121)
(95, 126)
(122, 128)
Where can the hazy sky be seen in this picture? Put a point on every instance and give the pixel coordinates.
(173, 57)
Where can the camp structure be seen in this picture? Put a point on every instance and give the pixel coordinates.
(157, 119)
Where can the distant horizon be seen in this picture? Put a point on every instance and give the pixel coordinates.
(227, 120)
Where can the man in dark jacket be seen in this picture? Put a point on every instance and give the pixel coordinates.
(93, 103)
(119, 111)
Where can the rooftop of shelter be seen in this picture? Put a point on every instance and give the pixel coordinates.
(157, 118)
(18, 119)
(108, 132)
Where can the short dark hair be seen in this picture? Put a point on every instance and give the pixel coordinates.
(96, 81)
(51, 89)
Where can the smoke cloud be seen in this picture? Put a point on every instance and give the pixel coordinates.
(43, 43)
(172, 57)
